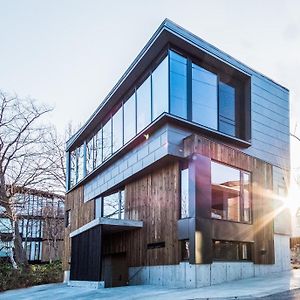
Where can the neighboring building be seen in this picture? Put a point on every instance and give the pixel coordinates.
(176, 179)
(41, 221)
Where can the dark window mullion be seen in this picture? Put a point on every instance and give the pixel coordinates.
(189, 90)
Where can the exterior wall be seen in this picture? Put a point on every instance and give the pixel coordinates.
(186, 275)
(270, 123)
(81, 213)
(154, 199)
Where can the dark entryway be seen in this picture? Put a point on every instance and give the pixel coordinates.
(115, 270)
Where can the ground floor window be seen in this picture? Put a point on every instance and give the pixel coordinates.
(185, 250)
(232, 251)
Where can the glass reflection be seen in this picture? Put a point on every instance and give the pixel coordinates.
(129, 119)
(144, 105)
(184, 193)
(107, 139)
(204, 97)
(226, 108)
(225, 192)
(117, 129)
(160, 89)
(178, 85)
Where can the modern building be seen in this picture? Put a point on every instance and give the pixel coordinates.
(178, 177)
(40, 217)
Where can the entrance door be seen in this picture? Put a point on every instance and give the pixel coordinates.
(115, 270)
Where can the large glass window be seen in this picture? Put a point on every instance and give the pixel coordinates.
(129, 119)
(144, 104)
(106, 141)
(204, 97)
(230, 193)
(227, 109)
(73, 168)
(80, 167)
(98, 148)
(229, 251)
(160, 89)
(178, 85)
(184, 193)
(89, 155)
(117, 122)
(114, 205)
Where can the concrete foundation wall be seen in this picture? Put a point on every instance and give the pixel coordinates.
(186, 275)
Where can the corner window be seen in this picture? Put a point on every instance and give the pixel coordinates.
(232, 251)
(178, 85)
(160, 89)
(204, 97)
(114, 205)
(227, 108)
(230, 193)
(184, 185)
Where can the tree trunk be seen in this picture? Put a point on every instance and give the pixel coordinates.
(19, 252)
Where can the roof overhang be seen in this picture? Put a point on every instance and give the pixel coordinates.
(109, 225)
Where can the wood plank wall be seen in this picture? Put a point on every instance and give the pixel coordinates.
(262, 202)
(81, 213)
(153, 199)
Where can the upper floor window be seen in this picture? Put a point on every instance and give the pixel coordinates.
(113, 205)
(230, 193)
(204, 97)
(214, 96)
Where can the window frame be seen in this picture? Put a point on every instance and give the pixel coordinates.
(241, 203)
(240, 243)
(120, 200)
(221, 77)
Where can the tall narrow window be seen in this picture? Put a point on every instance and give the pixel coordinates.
(144, 105)
(227, 109)
(129, 119)
(184, 193)
(117, 123)
(106, 140)
(246, 197)
(204, 97)
(178, 85)
(160, 89)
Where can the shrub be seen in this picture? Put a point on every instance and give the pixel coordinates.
(28, 276)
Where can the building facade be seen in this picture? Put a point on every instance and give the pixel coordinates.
(40, 217)
(179, 176)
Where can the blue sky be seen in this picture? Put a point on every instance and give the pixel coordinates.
(69, 54)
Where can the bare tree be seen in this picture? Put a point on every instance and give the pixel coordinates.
(28, 159)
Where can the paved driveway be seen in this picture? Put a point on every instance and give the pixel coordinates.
(241, 289)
